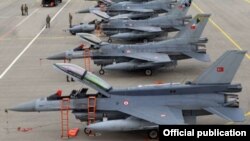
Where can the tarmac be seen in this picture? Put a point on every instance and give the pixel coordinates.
(24, 76)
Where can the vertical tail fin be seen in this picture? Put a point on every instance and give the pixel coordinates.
(194, 28)
(180, 9)
(222, 71)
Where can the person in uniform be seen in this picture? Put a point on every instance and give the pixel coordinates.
(22, 9)
(26, 9)
(70, 20)
(48, 21)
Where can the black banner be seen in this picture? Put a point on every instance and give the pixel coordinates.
(203, 132)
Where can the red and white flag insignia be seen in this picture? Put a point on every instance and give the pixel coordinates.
(193, 26)
(220, 69)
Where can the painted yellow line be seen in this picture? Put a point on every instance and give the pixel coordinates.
(231, 122)
(248, 1)
(221, 30)
(197, 7)
(247, 114)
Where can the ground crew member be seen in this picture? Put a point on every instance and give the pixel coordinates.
(67, 77)
(68, 80)
(22, 9)
(98, 28)
(48, 22)
(70, 20)
(26, 9)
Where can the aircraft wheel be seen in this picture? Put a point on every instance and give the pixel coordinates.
(101, 72)
(87, 131)
(72, 33)
(110, 40)
(153, 134)
(148, 72)
(145, 40)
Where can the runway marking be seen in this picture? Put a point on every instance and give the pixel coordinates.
(41, 38)
(31, 42)
(11, 30)
(222, 31)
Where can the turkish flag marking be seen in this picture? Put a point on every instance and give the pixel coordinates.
(220, 69)
(193, 26)
(125, 102)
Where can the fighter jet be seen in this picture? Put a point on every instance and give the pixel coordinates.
(147, 106)
(146, 56)
(159, 6)
(119, 28)
(149, 28)
(117, 1)
(155, 6)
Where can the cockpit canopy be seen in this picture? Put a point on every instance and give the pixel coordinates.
(83, 75)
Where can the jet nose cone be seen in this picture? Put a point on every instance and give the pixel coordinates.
(59, 56)
(75, 29)
(82, 28)
(25, 107)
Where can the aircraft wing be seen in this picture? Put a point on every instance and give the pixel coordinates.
(161, 115)
(140, 10)
(146, 28)
(150, 57)
(198, 56)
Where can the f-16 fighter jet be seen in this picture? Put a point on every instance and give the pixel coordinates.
(147, 106)
(124, 7)
(138, 29)
(147, 56)
(148, 28)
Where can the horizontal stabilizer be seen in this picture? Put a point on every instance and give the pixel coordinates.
(199, 56)
(233, 114)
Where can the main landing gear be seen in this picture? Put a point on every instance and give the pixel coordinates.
(148, 72)
(153, 134)
(87, 131)
(101, 71)
(110, 40)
